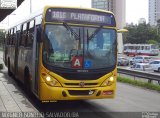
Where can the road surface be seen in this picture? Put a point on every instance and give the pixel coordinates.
(130, 101)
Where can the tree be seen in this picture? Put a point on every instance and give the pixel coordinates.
(142, 33)
(152, 42)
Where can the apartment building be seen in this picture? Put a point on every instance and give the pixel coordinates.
(154, 12)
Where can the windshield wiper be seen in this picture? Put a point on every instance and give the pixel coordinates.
(97, 30)
(71, 30)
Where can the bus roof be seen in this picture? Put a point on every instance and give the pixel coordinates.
(83, 8)
(44, 9)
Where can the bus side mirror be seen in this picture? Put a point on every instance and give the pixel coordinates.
(39, 34)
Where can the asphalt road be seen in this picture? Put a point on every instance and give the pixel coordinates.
(130, 101)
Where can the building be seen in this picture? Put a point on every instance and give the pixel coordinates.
(142, 21)
(154, 12)
(118, 7)
(103, 4)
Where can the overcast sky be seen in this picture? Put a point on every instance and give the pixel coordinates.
(135, 9)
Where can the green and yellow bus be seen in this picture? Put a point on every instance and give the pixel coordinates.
(64, 53)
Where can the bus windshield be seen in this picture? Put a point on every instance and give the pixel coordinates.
(76, 47)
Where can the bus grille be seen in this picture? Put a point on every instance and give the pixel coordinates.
(77, 84)
(76, 76)
(81, 92)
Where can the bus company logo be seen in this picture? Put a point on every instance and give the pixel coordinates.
(81, 84)
(149, 115)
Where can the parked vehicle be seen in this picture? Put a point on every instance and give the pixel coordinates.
(142, 59)
(142, 67)
(141, 49)
(131, 60)
(122, 61)
(155, 65)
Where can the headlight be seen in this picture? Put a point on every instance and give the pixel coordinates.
(111, 79)
(48, 78)
(108, 81)
(51, 81)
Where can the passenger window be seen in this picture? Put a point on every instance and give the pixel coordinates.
(18, 34)
(11, 39)
(138, 66)
(23, 34)
(152, 63)
(7, 41)
(156, 62)
(14, 36)
(31, 33)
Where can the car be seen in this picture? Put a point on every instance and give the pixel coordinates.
(142, 67)
(131, 60)
(142, 59)
(122, 61)
(155, 65)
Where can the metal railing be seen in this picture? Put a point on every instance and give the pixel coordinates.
(141, 74)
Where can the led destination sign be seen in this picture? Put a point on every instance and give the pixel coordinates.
(79, 16)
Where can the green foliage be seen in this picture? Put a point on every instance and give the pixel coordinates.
(142, 34)
(152, 42)
(139, 83)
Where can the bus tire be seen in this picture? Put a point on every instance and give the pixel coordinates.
(9, 70)
(27, 83)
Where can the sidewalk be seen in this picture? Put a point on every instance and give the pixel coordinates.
(12, 98)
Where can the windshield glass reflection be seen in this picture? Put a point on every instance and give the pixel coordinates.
(79, 47)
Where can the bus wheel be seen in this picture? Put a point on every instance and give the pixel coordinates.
(27, 83)
(9, 71)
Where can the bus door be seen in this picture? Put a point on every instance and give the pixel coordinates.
(18, 33)
(36, 51)
(5, 49)
(16, 52)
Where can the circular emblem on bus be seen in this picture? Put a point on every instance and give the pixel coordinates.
(81, 84)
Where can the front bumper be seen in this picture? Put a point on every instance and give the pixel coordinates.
(48, 93)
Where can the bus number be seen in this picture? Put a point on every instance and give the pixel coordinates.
(58, 15)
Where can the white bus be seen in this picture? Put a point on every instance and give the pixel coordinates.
(141, 49)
